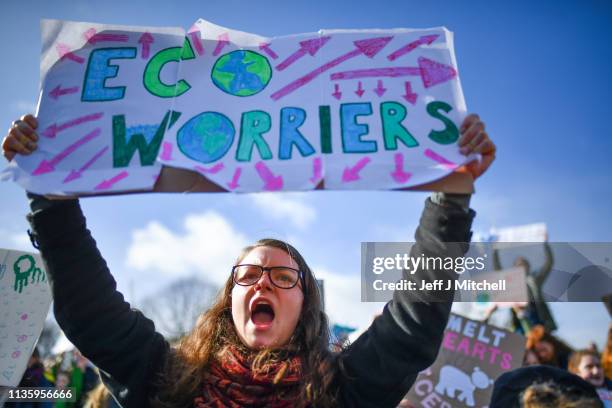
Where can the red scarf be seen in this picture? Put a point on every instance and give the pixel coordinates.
(232, 384)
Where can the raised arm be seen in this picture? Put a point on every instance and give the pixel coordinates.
(542, 274)
(91, 312)
(497, 266)
(382, 364)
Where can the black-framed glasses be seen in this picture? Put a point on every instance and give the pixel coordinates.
(282, 277)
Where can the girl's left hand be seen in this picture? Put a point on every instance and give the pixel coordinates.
(474, 139)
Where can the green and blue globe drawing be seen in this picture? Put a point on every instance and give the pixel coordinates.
(241, 73)
(206, 137)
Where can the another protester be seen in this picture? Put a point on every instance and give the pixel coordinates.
(549, 349)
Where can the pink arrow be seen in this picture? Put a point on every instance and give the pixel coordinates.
(369, 48)
(272, 182)
(317, 170)
(265, 47)
(426, 39)
(232, 185)
(359, 90)
(399, 175)
(337, 94)
(75, 174)
(106, 184)
(409, 96)
(93, 37)
(431, 72)
(195, 41)
(146, 40)
(439, 159)
(49, 166)
(352, 174)
(166, 153)
(64, 52)
(58, 91)
(52, 130)
(222, 41)
(306, 47)
(380, 89)
(213, 170)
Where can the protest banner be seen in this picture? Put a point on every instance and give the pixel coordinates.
(26, 299)
(335, 109)
(521, 233)
(473, 354)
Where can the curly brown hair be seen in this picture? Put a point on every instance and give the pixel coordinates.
(180, 381)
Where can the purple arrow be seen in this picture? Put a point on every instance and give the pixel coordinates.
(106, 184)
(352, 173)
(93, 38)
(75, 174)
(58, 91)
(399, 175)
(337, 94)
(195, 41)
(272, 182)
(166, 153)
(232, 185)
(409, 96)
(49, 166)
(317, 170)
(222, 41)
(369, 48)
(380, 89)
(306, 47)
(146, 40)
(434, 73)
(52, 130)
(213, 170)
(265, 47)
(64, 52)
(431, 72)
(426, 39)
(440, 159)
(359, 90)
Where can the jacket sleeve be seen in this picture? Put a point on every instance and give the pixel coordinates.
(382, 364)
(89, 309)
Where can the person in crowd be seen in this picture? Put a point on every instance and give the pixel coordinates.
(100, 397)
(543, 387)
(531, 358)
(34, 376)
(586, 364)
(536, 310)
(549, 349)
(265, 341)
(606, 357)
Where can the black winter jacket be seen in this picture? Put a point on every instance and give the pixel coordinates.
(381, 365)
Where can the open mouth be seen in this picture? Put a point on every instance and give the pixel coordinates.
(262, 314)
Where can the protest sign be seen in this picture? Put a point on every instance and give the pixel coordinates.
(473, 354)
(522, 233)
(335, 109)
(26, 299)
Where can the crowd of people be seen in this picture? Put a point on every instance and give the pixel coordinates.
(553, 375)
(63, 371)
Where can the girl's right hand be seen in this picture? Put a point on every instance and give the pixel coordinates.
(21, 137)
